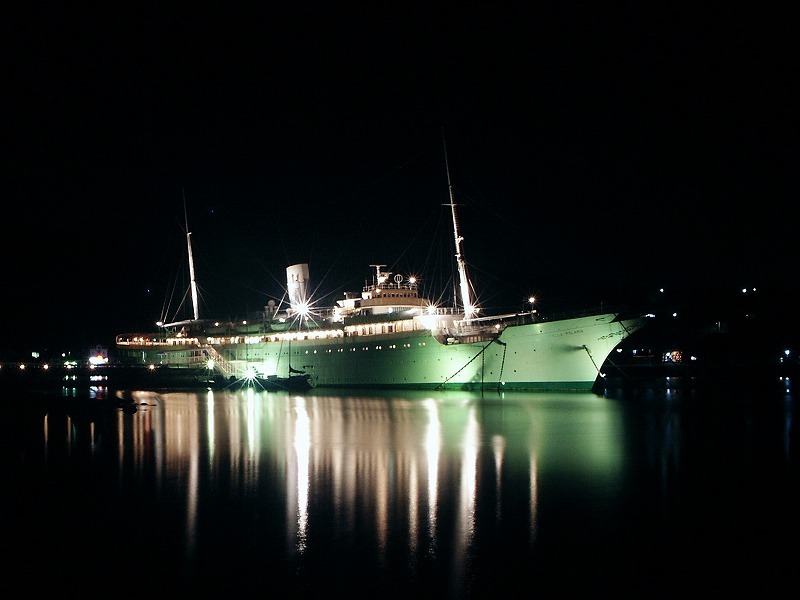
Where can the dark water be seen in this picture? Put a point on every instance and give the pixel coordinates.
(642, 490)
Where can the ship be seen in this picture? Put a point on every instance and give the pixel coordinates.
(389, 335)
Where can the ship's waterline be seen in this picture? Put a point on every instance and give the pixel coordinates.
(565, 354)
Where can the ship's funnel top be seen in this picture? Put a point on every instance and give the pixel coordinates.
(297, 286)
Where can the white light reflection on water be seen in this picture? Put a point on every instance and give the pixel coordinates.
(210, 434)
(380, 476)
(302, 454)
(253, 424)
(405, 494)
(533, 503)
(498, 445)
(192, 450)
(468, 489)
(433, 437)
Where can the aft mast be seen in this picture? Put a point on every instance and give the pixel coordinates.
(193, 283)
(464, 287)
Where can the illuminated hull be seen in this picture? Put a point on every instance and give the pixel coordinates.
(551, 355)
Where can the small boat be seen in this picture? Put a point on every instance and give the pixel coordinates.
(272, 383)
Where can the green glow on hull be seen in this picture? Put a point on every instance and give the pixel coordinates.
(546, 356)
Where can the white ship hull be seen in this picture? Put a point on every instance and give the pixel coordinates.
(552, 355)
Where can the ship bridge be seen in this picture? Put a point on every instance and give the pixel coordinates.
(384, 296)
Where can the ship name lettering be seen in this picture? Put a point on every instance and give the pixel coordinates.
(611, 335)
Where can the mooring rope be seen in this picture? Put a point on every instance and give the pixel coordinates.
(502, 363)
(589, 352)
(620, 369)
(480, 353)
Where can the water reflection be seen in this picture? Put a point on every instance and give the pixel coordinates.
(445, 493)
(420, 466)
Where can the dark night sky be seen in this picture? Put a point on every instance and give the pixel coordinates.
(596, 153)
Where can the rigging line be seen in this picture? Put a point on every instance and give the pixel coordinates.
(466, 364)
(174, 275)
(175, 315)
